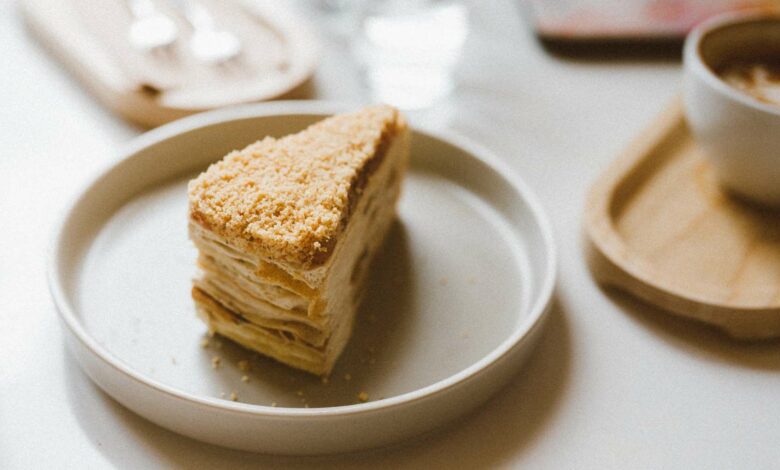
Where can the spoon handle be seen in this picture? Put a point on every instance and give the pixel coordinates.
(141, 8)
(196, 14)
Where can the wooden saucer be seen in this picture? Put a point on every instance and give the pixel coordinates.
(90, 37)
(661, 228)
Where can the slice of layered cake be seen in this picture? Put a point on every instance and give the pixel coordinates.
(286, 229)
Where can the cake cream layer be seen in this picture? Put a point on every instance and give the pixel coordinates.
(254, 267)
(284, 344)
(262, 314)
(245, 275)
(302, 314)
(264, 304)
(272, 343)
(289, 200)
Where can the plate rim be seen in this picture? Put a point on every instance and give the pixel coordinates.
(66, 311)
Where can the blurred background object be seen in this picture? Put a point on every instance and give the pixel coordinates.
(150, 29)
(601, 19)
(208, 43)
(625, 27)
(408, 49)
(216, 53)
(178, 57)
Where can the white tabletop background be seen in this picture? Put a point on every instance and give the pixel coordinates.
(614, 384)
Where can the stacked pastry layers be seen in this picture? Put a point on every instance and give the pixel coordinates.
(286, 228)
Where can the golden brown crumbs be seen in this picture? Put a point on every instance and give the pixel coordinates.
(215, 362)
(299, 393)
(204, 343)
(363, 397)
(273, 404)
(234, 396)
(286, 198)
(324, 380)
(243, 365)
(347, 377)
(245, 378)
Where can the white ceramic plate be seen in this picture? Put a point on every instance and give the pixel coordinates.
(455, 301)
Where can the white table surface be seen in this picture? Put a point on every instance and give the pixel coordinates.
(614, 384)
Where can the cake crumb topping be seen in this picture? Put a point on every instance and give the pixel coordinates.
(288, 199)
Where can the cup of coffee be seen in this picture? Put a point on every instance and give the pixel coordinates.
(732, 99)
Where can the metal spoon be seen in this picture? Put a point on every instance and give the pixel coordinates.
(209, 44)
(150, 29)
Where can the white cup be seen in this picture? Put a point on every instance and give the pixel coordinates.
(739, 133)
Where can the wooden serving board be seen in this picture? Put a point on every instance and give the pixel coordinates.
(660, 228)
(89, 37)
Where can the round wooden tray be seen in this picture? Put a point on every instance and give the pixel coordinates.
(660, 228)
(89, 37)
